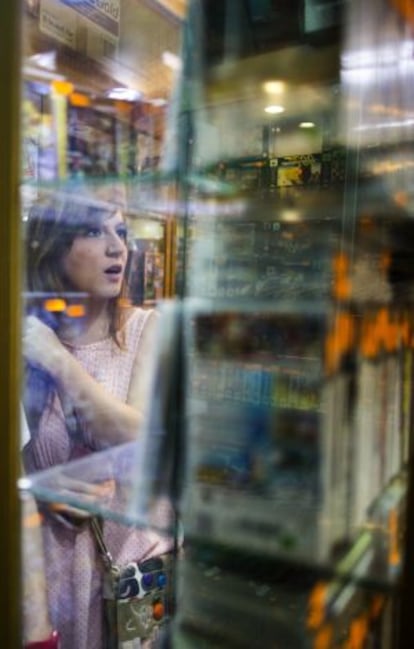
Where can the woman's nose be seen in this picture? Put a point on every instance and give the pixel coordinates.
(115, 246)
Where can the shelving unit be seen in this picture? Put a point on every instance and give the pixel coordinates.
(299, 349)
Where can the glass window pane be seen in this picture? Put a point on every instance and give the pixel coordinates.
(250, 159)
(98, 230)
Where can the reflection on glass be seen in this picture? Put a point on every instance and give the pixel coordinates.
(279, 414)
(98, 239)
(298, 327)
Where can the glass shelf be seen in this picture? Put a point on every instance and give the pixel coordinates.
(106, 483)
(103, 484)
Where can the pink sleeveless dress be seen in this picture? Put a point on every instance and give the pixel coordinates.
(73, 567)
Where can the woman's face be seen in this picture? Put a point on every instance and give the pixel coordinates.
(95, 263)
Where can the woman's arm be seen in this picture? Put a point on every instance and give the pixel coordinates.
(108, 419)
(144, 364)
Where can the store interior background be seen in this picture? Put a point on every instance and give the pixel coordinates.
(263, 124)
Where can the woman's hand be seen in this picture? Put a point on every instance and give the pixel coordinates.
(88, 495)
(41, 346)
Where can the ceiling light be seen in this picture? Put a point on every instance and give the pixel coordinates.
(274, 87)
(124, 94)
(33, 72)
(45, 60)
(158, 101)
(290, 216)
(171, 60)
(274, 109)
(307, 125)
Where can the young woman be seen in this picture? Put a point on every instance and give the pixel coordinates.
(86, 389)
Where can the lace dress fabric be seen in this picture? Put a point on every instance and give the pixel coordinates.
(73, 567)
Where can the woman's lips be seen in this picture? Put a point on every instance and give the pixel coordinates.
(114, 272)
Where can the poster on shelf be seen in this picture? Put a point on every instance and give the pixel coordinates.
(153, 276)
(39, 136)
(296, 170)
(91, 142)
(263, 440)
(39, 142)
(146, 272)
(333, 167)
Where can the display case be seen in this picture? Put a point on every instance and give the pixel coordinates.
(280, 420)
(297, 326)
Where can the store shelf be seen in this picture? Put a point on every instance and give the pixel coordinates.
(226, 595)
(223, 604)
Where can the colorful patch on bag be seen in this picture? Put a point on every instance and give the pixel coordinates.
(136, 580)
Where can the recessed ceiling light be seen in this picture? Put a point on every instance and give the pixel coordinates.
(158, 101)
(125, 94)
(171, 60)
(290, 216)
(274, 87)
(274, 109)
(306, 125)
(45, 59)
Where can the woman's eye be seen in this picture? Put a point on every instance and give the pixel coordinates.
(122, 233)
(93, 232)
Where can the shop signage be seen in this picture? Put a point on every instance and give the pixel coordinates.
(57, 21)
(102, 13)
(62, 20)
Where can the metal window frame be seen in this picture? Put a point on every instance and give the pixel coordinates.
(10, 290)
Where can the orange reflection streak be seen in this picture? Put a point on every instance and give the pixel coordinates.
(339, 341)
(373, 334)
(122, 106)
(54, 304)
(394, 557)
(323, 639)
(316, 606)
(377, 605)
(342, 285)
(78, 99)
(358, 633)
(62, 87)
(406, 9)
(75, 310)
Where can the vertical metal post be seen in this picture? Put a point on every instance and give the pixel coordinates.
(10, 81)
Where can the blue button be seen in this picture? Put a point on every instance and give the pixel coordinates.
(147, 580)
(161, 579)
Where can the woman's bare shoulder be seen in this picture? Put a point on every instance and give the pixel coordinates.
(139, 324)
(137, 313)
